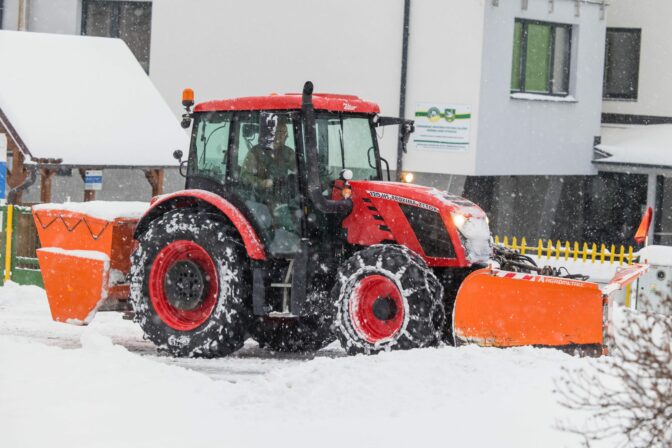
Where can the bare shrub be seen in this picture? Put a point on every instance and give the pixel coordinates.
(628, 394)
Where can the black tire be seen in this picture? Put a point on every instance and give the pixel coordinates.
(299, 335)
(386, 298)
(183, 312)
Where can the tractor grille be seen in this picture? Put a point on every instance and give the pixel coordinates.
(430, 231)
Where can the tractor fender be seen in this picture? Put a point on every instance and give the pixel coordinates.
(187, 198)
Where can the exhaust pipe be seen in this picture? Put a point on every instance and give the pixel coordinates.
(314, 186)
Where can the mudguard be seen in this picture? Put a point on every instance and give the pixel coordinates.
(504, 309)
(186, 198)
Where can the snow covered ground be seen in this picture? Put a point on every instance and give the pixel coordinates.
(103, 386)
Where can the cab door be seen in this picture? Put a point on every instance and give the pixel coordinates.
(264, 175)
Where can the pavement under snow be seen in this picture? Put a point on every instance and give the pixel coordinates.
(104, 386)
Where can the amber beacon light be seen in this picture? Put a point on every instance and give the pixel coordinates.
(188, 97)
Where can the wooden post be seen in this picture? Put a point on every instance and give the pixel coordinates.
(155, 178)
(18, 173)
(45, 184)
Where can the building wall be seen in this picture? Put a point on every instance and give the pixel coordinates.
(655, 64)
(118, 185)
(540, 137)
(444, 67)
(47, 16)
(605, 208)
(230, 48)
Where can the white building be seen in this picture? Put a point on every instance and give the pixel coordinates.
(637, 108)
(513, 86)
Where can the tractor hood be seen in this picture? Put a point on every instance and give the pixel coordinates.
(446, 230)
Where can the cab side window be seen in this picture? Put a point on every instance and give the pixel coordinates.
(212, 142)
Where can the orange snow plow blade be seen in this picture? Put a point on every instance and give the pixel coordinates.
(504, 309)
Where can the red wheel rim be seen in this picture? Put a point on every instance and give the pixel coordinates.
(376, 308)
(169, 257)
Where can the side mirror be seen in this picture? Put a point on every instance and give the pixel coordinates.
(177, 154)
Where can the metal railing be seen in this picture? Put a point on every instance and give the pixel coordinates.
(575, 251)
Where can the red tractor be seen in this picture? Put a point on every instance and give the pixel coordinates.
(287, 232)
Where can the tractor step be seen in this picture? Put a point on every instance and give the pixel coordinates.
(287, 315)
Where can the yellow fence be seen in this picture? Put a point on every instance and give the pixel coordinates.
(571, 251)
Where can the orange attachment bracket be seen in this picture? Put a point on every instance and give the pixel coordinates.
(75, 281)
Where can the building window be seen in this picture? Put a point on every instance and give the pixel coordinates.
(2, 10)
(621, 63)
(541, 57)
(130, 21)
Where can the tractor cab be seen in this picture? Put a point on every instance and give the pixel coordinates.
(281, 165)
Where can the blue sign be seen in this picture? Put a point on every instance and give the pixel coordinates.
(93, 180)
(3, 180)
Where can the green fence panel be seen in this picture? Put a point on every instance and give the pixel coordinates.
(25, 242)
(3, 243)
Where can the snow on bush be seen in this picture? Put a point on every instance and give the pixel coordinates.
(629, 394)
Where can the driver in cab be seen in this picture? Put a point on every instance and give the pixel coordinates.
(268, 168)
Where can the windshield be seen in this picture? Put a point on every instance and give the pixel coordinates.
(210, 145)
(345, 141)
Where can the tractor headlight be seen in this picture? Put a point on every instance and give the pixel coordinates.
(471, 227)
(475, 236)
(458, 219)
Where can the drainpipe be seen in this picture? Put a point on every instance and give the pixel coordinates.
(402, 88)
(23, 14)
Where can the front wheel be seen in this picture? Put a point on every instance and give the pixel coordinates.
(189, 285)
(387, 298)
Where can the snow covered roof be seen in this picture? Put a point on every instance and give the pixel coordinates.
(85, 100)
(636, 146)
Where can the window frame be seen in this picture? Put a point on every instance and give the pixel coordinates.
(374, 137)
(192, 162)
(635, 91)
(522, 62)
(115, 21)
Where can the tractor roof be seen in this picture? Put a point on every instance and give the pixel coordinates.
(321, 101)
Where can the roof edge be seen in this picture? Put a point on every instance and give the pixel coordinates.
(14, 135)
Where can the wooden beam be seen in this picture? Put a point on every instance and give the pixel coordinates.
(17, 173)
(45, 184)
(155, 179)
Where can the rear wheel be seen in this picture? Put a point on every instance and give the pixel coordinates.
(189, 285)
(387, 298)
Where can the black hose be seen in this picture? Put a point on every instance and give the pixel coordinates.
(512, 260)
